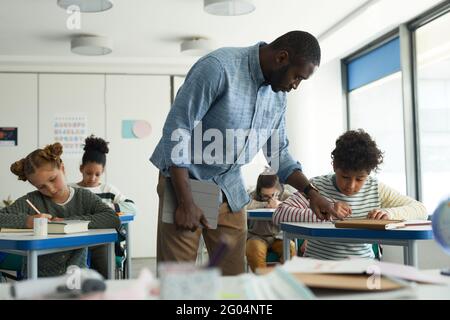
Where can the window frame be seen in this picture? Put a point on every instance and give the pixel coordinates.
(408, 68)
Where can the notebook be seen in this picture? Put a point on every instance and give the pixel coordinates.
(67, 226)
(206, 195)
(370, 224)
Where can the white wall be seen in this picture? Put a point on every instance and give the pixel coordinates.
(31, 102)
(18, 108)
(315, 118)
(70, 94)
(137, 97)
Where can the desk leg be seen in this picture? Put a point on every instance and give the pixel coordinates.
(406, 255)
(286, 248)
(412, 253)
(32, 264)
(111, 260)
(128, 250)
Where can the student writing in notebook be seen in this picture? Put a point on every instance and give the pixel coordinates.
(355, 193)
(56, 200)
(92, 168)
(264, 235)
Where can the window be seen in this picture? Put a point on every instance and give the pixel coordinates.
(432, 42)
(375, 104)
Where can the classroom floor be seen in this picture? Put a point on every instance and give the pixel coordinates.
(137, 264)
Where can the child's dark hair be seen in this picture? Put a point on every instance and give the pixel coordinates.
(95, 150)
(267, 181)
(355, 151)
(51, 154)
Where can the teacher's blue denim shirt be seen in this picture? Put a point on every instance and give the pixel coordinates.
(225, 91)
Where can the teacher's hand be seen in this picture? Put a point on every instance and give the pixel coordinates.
(323, 208)
(190, 217)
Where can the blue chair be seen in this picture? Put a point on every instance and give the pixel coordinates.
(272, 257)
(12, 263)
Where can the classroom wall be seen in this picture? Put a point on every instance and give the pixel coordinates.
(32, 101)
(315, 118)
(18, 108)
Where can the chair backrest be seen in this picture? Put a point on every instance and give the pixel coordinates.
(11, 262)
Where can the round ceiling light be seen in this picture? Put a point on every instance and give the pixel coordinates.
(196, 47)
(91, 45)
(87, 5)
(228, 7)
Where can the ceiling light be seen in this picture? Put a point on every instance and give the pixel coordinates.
(196, 47)
(91, 45)
(228, 7)
(87, 5)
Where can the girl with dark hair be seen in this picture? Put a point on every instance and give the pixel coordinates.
(44, 169)
(92, 168)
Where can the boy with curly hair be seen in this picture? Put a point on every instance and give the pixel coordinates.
(355, 194)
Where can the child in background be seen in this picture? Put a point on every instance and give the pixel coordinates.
(355, 194)
(57, 201)
(92, 168)
(263, 235)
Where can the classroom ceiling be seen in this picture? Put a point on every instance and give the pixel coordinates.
(154, 29)
(150, 31)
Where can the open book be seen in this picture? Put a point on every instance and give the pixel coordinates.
(67, 226)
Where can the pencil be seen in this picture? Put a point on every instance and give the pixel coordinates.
(32, 206)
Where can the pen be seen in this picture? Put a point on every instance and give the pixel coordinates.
(33, 207)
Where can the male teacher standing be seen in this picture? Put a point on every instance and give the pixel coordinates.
(226, 93)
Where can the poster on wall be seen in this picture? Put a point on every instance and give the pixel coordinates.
(8, 136)
(70, 131)
(136, 129)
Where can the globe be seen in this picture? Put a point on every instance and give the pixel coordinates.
(441, 225)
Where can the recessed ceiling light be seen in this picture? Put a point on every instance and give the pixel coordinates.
(87, 5)
(91, 45)
(196, 47)
(228, 7)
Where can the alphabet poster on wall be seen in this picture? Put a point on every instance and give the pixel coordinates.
(8, 136)
(70, 131)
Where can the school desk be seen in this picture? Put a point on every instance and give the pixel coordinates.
(125, 220)
(31, 246)
(326, 231)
